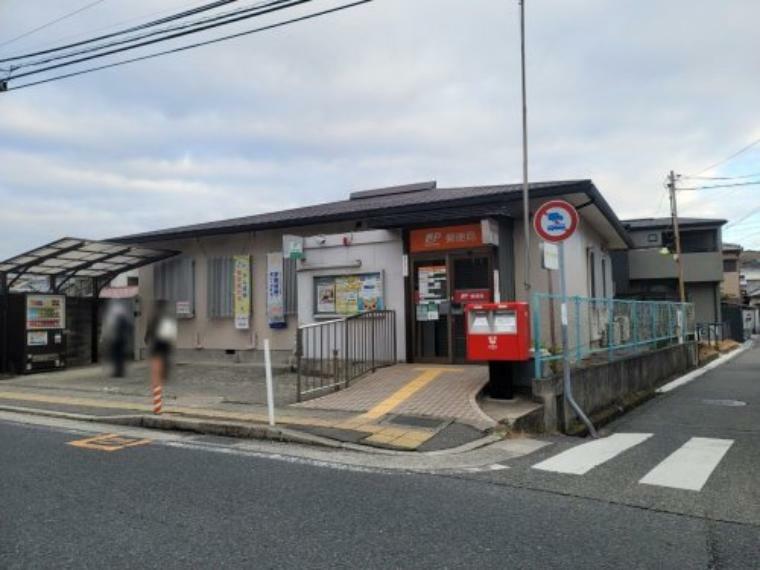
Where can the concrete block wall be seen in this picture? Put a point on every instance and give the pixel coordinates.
(604, 390)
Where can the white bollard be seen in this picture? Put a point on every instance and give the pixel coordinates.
(270, 388)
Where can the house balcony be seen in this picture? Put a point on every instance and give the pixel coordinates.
(697, 267)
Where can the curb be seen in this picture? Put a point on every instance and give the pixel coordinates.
(694, 374)
(241, 431)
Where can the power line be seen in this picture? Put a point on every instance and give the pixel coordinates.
(51, 22)
(256, 7)
(738, 177)
(733, 156)
(89, 32)
(158, 22)
(743, 218)
(722, 186)
(274, 7)
(191, 46)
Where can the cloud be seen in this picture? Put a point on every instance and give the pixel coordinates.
(390, 92)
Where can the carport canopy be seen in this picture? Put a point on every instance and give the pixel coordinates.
(69, 258)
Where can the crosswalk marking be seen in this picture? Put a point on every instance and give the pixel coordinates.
(690, 466)
(583, 458)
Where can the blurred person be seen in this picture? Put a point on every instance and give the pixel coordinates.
(117, 329)
(160, 337)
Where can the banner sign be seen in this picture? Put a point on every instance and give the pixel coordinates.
(241, 283)
(275, 294)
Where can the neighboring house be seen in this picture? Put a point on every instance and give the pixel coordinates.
(750, 277)
(419, 250)
(649, 269)
(124, 286)
(731, 286)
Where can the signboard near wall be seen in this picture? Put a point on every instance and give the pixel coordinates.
(446, 238)
(241, 283)
(275, 293)
(348, 294)
(45, 312)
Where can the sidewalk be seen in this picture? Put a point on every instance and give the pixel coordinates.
(229, 399)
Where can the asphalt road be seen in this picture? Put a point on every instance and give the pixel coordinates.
(162, 505)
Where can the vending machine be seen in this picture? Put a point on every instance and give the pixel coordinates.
(36, 339)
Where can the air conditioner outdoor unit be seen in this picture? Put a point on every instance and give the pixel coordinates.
(598, 323)
(622, 329)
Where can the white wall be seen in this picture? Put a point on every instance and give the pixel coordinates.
(577, 276)
(201, 332)
(379, 251)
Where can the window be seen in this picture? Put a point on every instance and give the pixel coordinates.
(133, 281)
(290, 285)
(219, 287)
(174, 282)
(730, 266)
(653, 238)
(604, 278)
(592, 272)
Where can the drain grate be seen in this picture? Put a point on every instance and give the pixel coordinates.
(728, 403)
(416, 421)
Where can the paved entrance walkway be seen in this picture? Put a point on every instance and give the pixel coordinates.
(441, 392)
(382, 410)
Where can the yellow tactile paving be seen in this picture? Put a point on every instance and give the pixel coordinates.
(426, 376)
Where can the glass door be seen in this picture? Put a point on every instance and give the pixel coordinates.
(471, 282)
(430, 314)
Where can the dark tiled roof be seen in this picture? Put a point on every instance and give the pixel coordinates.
(731, 246)
(651, 223)
(375, 205)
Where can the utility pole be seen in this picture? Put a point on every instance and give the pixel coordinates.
(677, 233)
(525, 190)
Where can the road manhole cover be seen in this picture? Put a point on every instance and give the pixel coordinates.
(728, 403)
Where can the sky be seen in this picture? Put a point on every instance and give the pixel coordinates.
(387, 93)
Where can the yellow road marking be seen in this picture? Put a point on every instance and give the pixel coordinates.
(108, 442)
(405, 392)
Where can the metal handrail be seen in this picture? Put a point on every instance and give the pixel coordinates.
(330, 354)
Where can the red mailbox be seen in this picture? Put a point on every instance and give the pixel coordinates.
(498, 331)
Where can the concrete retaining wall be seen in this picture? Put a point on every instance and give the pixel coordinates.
(606, 390)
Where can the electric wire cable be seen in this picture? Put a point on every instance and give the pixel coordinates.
(157, 22)
(185, 25)
(192, 46)
(170, 36)
(51, 22)
(733, 156)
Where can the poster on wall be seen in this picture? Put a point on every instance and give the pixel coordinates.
(325, 295)
(45, 312)
(348, 294)
(241, 283)
(275, 295)
(432, 283)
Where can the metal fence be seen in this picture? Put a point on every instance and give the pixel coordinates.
(331, 354)
(713, 333)
(603, 329)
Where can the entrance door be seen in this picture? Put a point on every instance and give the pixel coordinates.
(442, 285)
(430, 310)
(471, 281)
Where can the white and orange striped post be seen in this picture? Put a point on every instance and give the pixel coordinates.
(158, 398)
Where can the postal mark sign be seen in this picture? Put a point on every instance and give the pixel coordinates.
(555, 221)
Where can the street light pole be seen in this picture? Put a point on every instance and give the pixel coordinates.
(525, 189)
(677, 233)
